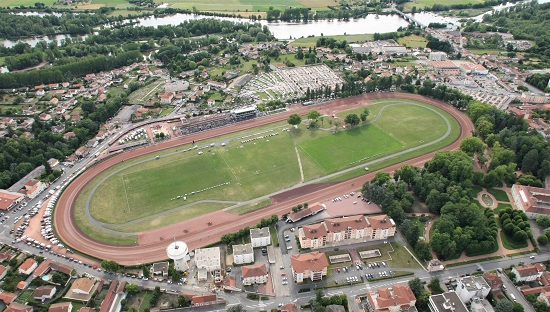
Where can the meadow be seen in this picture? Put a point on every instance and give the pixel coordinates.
(420, 4)
(129, 195)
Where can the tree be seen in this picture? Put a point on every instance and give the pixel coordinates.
(183, 302)
(543, 221)
(422, 250)
(471, 145)
(416, 286)
(313, 115)
(294, 119)
(504, 305)
(352, 120)
(435, 285)
(132, 289)
(542, 240)
(236, 308)
(110, 265)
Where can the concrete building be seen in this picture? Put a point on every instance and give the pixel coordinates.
(179, 253)
(312, 265)
(115, 294)
(254, 274)
(438, 56)
(446, 302)
(207, 260)
(470, 287)
(306, 212)
(493, 280)
(346, 230)
(528, 272)
(160, 268)
(394, 299)
(243, 254)
(32, 188)
(260, 237)
(534, 201)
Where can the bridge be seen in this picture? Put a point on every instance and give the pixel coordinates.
(410, 19)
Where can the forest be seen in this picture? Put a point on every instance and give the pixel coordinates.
(540, 81)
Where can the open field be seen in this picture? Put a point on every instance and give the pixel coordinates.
(420, 4)
(413, 41)
(13, 3)
(310, 42)
(144, 94)
(143, 187)
(232, 5)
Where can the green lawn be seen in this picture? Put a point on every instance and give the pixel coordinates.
(232, 5)
(398, 258)
(310, 42)
(413, 41)
(475, 190)
(237, 172)
(12, 3)
(509, 244)
(419, 224)
(501, 207)
(500, 195)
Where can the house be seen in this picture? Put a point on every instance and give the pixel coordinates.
(56, 266)
(166, 97)
(254, 274)
(335, 308)
(471, 287)
(243, 254)
(204, 300)
(396, 298)
(312, 265)
(346, 230)
(32, 188)
(435, 265)
(544, 297)
(22, 285)
(43, 293)
(83, 285)
(28, 266)
(53, 162)
(160, 268)
(81, 151)
(3, 271)
(207, 260)
(7, 297)
(306, 212)
(260, 237)
(493, 280)
(68, 135)
(45, 117)
(9, 199)
(43, 268)
(528, 272)
(534, 201)
(446, 302)
(211, 102)
(289, 307)
(7, 255)
(115, 294)
(61, 307)
(40, 93)
(17, 307)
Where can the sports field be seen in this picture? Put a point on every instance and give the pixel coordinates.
(142, 193)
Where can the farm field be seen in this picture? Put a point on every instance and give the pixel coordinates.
(128, 195)
(413, 41)
(232, 5)
(420, 4)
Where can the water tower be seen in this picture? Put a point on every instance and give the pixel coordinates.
(178, 252)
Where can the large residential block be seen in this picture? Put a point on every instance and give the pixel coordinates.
(394, 299)
(254, 274)
(260, 237)
(243, 254)
(312, 265)
(534, 201)
(346, 230)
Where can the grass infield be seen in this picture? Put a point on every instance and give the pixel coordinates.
(129, 193)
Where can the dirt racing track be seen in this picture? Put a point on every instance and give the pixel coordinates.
(209, 228)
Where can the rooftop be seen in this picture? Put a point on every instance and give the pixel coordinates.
(254, 270)
(258, 233)
(244, 249)
(313, 261)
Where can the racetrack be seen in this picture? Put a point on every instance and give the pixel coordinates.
(209, 228)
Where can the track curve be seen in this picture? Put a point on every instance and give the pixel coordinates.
(196, 232)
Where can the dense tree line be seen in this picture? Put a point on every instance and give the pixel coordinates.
(541, 81)
(66, 72)
(512, 145)
(13, 26)
(459, 6)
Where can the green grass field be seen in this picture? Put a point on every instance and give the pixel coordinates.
(413, 41)
(310, 42)
(142, 187)
(232, 5)
(13, 3)
(420, 4)
(500, 195)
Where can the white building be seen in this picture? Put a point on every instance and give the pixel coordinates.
(260, 237)
(207, 260)
(438, 56)
(470, 287)
(446, 302)
(254, 274)
(312, 265)
(528, 272)
(243, 254)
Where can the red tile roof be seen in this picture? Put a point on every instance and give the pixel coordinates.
(313, 261)
(254, 270)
